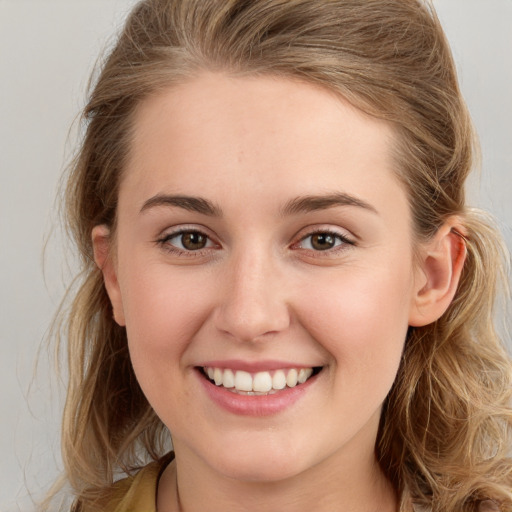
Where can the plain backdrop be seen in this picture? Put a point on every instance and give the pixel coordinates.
(47, 50)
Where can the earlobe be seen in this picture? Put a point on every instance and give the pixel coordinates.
(441, 267)
(102, 244)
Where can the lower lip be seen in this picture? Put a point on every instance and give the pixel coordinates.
(254, 405)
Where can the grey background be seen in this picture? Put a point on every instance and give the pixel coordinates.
(47, 49)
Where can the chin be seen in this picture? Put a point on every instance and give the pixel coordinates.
(258, 462)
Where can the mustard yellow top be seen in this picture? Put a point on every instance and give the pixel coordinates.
(138, 493)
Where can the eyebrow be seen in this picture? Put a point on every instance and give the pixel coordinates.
(193, 204)
(302, 204)
(305, 204)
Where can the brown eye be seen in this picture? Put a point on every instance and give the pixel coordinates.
(193, 241)
(323, 241)
(186, 241)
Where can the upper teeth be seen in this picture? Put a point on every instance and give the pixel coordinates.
(261, 382)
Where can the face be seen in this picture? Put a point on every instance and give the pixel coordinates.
(263, 242)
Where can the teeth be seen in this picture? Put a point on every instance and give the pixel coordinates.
(259, 383)
(291, 378)
(228, 379)
(279, 380)
(304, 374)
(217, 376)
(262, 382)
(243, 381)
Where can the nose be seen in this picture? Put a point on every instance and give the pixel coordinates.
(253, 301)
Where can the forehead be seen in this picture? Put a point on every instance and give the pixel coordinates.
(257, 135)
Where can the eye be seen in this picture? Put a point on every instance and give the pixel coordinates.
(186, 241)
(323, 241)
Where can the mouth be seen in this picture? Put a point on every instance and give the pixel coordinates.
(260, 383)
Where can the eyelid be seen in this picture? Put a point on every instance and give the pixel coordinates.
(170, 233)
(347, 239)
(325, 228)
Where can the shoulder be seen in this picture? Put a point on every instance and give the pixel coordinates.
(137, 493)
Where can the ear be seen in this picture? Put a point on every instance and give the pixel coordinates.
(441, 263)
(102, 245)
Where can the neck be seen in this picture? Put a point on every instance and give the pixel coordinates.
(354, 487)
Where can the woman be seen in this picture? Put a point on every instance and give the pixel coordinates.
(280, 269)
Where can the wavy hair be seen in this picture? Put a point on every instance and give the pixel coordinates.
(445, 431)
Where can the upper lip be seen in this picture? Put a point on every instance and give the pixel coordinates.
(255, 366)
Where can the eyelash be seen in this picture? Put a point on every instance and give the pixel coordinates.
(164, 242)
(342, 242)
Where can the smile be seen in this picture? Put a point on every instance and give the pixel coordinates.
(260, 383)
(253, 390)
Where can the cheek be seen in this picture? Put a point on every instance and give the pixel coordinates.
(163, 311)
(361, 319)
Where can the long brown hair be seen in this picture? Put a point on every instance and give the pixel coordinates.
(445, 430)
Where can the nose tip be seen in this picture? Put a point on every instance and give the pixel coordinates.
(253, 305)
(251, 325)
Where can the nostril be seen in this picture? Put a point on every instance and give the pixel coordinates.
(252, 301)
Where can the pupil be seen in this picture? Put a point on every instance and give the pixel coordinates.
(193, 241)
(322, 241)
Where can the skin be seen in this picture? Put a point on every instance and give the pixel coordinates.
(259, 290)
